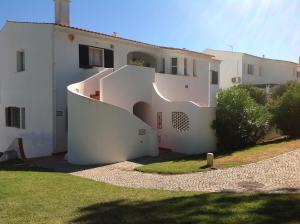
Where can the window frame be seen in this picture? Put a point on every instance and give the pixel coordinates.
(163, 70)
(20, 61)
(94, 49)
(13, 117)
(174, 66)
(194, 68)
(84, 57)
(185, 67)
(260, 71)
(250, 69)
(214, 80)
(159, 120)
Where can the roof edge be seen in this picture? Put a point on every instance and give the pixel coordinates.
(252, 55)
(115, 38)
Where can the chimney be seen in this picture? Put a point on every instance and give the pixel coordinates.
(62, 12)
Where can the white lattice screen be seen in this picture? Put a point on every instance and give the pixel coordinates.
(180, 121)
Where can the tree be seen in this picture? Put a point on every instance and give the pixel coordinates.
(240, 121)
(287, 111)
(258, 94)
(279, 90)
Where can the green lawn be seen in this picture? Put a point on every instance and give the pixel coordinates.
(190, 164)
(29, 195)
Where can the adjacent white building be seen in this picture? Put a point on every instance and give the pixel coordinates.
(113, 110)
(241, 68)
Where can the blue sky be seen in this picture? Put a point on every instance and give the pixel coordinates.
(270, 27)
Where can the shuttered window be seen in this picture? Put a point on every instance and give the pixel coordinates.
(174, 66)
(15, 117)
(84, 56)
(108, 58)
(95, 57)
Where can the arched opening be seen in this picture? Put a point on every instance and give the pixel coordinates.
(141, 59)
(143, 111)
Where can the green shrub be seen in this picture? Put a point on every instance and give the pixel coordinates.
(137, 62)
(240, 121)
(259, 95)
(279, 90)
(287, 112)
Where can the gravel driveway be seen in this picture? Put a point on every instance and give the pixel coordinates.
(278, 174)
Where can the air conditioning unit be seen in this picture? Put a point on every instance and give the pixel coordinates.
(236, 80)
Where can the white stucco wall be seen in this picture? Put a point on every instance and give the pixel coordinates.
(199, 139)
(128, 86)
(231, 66)
(183, 88)
(234, 64)
(31, 89)
(120, 90)
(108, 131)
(91, 85)
(100, 133)
(272, 71)
(279, 72)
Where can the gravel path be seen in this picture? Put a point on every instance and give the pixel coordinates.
(278, 174)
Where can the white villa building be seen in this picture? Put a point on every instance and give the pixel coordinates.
(67, 89)
(241, 68)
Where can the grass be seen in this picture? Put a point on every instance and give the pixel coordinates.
(197, 163)
(30, 195)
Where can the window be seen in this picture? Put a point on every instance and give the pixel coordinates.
(185, 67)
(250, 69)
(214, 78)
(194, 68)
(23, 124)
(260, 71)
(12, 115)
(163, 66)
(159, 120)
(298, 74)
(20, 61)
(95, 57)
(174, 66)
(15, 117)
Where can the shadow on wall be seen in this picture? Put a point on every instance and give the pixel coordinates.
(143, 111)
(206, 208)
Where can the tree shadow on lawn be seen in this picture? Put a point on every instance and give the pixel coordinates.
(44, 164)
(19, 165)
(208, 208)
